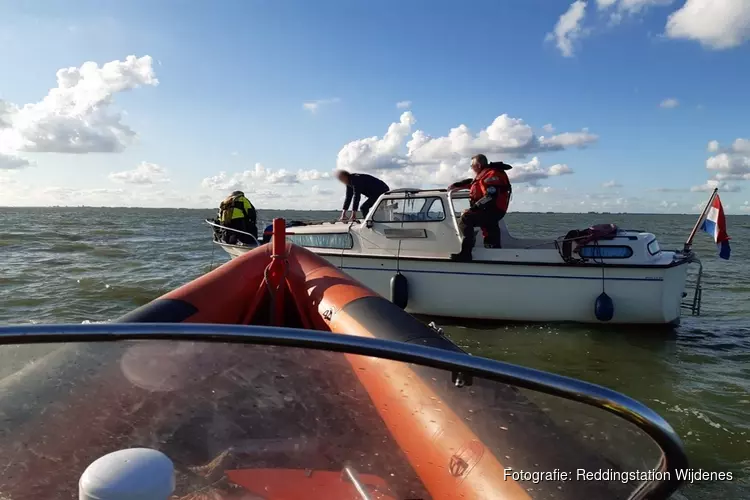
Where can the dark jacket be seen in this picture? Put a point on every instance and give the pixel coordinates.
(363, 184)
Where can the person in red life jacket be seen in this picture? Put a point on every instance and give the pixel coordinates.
(489, 196)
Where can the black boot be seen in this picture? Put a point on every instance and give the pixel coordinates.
(461, 257)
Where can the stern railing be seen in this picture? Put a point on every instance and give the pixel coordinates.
(219, 226)
(693, 304)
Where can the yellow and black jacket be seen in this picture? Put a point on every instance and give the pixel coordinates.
(236, 206)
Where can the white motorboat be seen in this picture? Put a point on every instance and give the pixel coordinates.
(402, 251)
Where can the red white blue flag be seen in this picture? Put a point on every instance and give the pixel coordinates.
(715, 224)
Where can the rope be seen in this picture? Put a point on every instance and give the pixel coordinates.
(398, 252)
(271, 291)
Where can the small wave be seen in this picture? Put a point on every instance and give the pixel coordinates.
(137, 295)
(699, 415)
(59, 236)
(26, 301)
(9, 239)
(15, 280)
(56, 261)
(114, 234)
(71, 247)
(175, 257)
(109, 252)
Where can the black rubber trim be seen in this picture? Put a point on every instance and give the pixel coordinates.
(507, 263)
(160, 311)
(385, 320)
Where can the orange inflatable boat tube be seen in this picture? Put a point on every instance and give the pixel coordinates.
(287, 285)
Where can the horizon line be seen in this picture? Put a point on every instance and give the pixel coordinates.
(546, 212)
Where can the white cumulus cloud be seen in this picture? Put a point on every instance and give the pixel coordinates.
(376, 153)
(13, 162)
(732, 163)
(532, 189)
(312, 175)
(611, 185)
(716, 24)
(712, 184)
(315, 106)
(259, 176)
(605, 4)
(619, 9)
(321, 191)
(505, 136)
(569, 28)
(77, 115)
(403, 104)
(669, 103)
(532, 171)
(144, 173)
(412, 159)
(631, 6)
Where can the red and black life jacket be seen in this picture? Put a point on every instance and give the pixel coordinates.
(492, 176)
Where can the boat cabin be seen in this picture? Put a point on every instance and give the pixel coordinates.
(416, 223)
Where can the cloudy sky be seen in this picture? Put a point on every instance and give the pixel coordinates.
(619, 105)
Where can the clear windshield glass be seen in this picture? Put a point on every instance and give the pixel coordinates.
(279, 422)
(459, 205)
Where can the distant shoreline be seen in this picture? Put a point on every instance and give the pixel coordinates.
(336, 211)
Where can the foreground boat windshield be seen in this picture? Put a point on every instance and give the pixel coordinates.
(279, 421)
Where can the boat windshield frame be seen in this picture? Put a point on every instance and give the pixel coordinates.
(462, 194)
(460, 364)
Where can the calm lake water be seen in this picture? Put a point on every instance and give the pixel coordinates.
(67, 265)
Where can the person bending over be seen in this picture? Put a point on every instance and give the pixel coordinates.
(237, 212)
(358, 185)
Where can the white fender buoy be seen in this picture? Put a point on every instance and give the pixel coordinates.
(130, 474)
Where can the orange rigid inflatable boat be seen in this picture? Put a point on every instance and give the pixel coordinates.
(282, 284)
(283, 416)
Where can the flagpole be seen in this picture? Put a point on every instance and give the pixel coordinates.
(689, 241)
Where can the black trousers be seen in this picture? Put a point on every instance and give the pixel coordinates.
(242, 225)
(367, 205)
(488, 220)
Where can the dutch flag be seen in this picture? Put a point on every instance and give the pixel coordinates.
(715, 224)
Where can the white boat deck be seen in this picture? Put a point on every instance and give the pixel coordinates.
(420, 230)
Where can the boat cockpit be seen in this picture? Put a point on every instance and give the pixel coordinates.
(416, 221)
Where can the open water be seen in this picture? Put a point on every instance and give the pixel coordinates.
(70, 265)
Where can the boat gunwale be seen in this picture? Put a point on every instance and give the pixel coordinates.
(673, 454)
(681, 259)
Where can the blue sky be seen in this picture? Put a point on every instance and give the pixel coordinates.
(634, 91)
